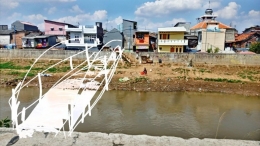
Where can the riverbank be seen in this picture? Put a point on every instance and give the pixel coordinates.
(165, 77)
(112, 139)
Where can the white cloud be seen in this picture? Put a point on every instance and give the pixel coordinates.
(15, 16)
(228, 12)
(83, 18)
(110, 24)
(34, 18)
(10, 4)
(76, 9)
(153, 26)
(41, 26)
(52, 10)
(164, 7)
(254, 13)
(213, 5)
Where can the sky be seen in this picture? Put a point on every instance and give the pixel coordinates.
(149, 14)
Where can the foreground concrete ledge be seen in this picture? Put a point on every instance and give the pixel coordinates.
(103, 139)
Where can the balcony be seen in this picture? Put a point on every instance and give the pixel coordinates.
(172, 42)
(82, 28)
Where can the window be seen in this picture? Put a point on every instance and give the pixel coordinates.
(52, 29)
(168, 36)
(60, 29)
(160, 48)
(133, 36)
(76, 38)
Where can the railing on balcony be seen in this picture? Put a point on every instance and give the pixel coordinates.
(172, 42)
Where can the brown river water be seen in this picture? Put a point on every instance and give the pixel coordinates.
(180, 114)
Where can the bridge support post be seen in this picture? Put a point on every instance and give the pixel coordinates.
(105, 66)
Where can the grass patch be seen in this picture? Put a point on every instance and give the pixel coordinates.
(52, 70)
(248, 75)
(9, 65)
(139, 79)
(222, 80)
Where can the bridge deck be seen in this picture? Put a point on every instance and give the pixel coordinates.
(53, 107)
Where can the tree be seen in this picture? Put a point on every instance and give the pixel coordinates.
(255, 47)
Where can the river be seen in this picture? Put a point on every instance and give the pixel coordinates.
(180, 114)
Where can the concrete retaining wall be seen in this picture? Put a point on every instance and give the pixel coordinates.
(103, 139)
(221, 59)
(51, 54)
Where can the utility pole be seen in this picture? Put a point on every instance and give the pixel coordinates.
(14, 37)
(129, 37)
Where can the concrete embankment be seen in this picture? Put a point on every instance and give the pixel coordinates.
(103, 139)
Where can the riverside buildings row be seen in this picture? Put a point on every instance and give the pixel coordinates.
(207, 34)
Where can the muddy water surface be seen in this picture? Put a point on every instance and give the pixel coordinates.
(180, 114)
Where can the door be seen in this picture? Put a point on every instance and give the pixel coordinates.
(164, 36)
(172, 49)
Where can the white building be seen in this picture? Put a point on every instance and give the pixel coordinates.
(90, 35)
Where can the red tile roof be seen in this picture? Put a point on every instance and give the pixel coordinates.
(204, 24)
(244, 36)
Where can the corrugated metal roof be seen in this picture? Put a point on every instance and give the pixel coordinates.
(6, 32)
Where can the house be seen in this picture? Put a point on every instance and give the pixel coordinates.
(79, 37)
(141, 41)
(39, 42)
(245, 40)
(5, 35)
(192, 39)
(56, 28)
(21, 28)
(113, 34)
(144, 41)
(184, 24)
(128, 28)
(211, 33)
(252, 29)
(24, 26)
(171, 39)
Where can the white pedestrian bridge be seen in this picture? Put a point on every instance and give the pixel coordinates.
(70, 99)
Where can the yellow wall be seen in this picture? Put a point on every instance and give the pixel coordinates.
(167, 48)
(173, 35)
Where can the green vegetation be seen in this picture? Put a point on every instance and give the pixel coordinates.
(202, 70)
(255, 47)
(219, 80)
(139, 79)
(210, 50)
(9, 65)
(216, 50)
(248, 75)
(5, 123)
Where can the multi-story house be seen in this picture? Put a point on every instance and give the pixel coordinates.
(128, 28)
(56, 28)
(21, 28)
(143, 41)
(113, 34)
(5, 35)
(249, 36)
(79, 37)
(211, 33)
(171, 39)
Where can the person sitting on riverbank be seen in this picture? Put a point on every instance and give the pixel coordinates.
(144, 72)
